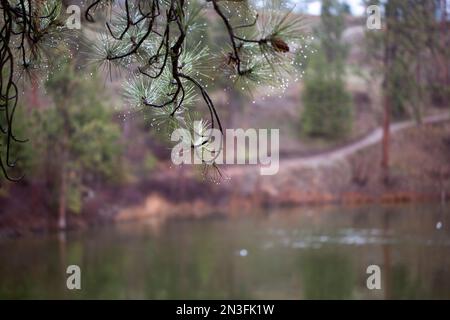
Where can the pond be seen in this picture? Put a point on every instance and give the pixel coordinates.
(302, 253)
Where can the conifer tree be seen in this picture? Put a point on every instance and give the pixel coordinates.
(153, 42)
(85, 144)
(29, 30)
(327, 104)
(405, 51)
(168, 72)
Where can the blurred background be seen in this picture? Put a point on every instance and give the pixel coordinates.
(364, 174)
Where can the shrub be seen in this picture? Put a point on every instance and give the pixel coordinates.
(327, 108)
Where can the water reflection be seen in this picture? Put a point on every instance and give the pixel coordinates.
(282, 254)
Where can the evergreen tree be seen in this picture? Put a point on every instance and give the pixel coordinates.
(170, 74)
(75, 139)
(30, 30)
(405, 51)
(327, 105)
(154, 42)
(330, 32)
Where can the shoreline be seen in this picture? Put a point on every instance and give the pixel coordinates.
(156, 206)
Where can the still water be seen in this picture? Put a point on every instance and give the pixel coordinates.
(278, 254)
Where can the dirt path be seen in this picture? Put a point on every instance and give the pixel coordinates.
(328, 158)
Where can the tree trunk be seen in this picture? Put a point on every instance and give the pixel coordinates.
(386, 138)
(62, 205)
(65, 155)
(444, 38)
(389, 53)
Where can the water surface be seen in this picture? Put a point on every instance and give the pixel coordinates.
(277, 254)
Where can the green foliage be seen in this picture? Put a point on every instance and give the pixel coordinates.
(75, 136)
(327, 104)
(33, 33)
(150, 162)
(402, 88)
(85, 122)
(409, 53)
(168, 85)
(272, 61)
(74, 197)
(330, 34)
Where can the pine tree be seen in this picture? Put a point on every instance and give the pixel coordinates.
(404, 50)
(76, 138)
(29, 31)
(170, 73)
(153, 41)
(327, 104)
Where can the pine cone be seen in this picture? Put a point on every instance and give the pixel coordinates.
(279, 45)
